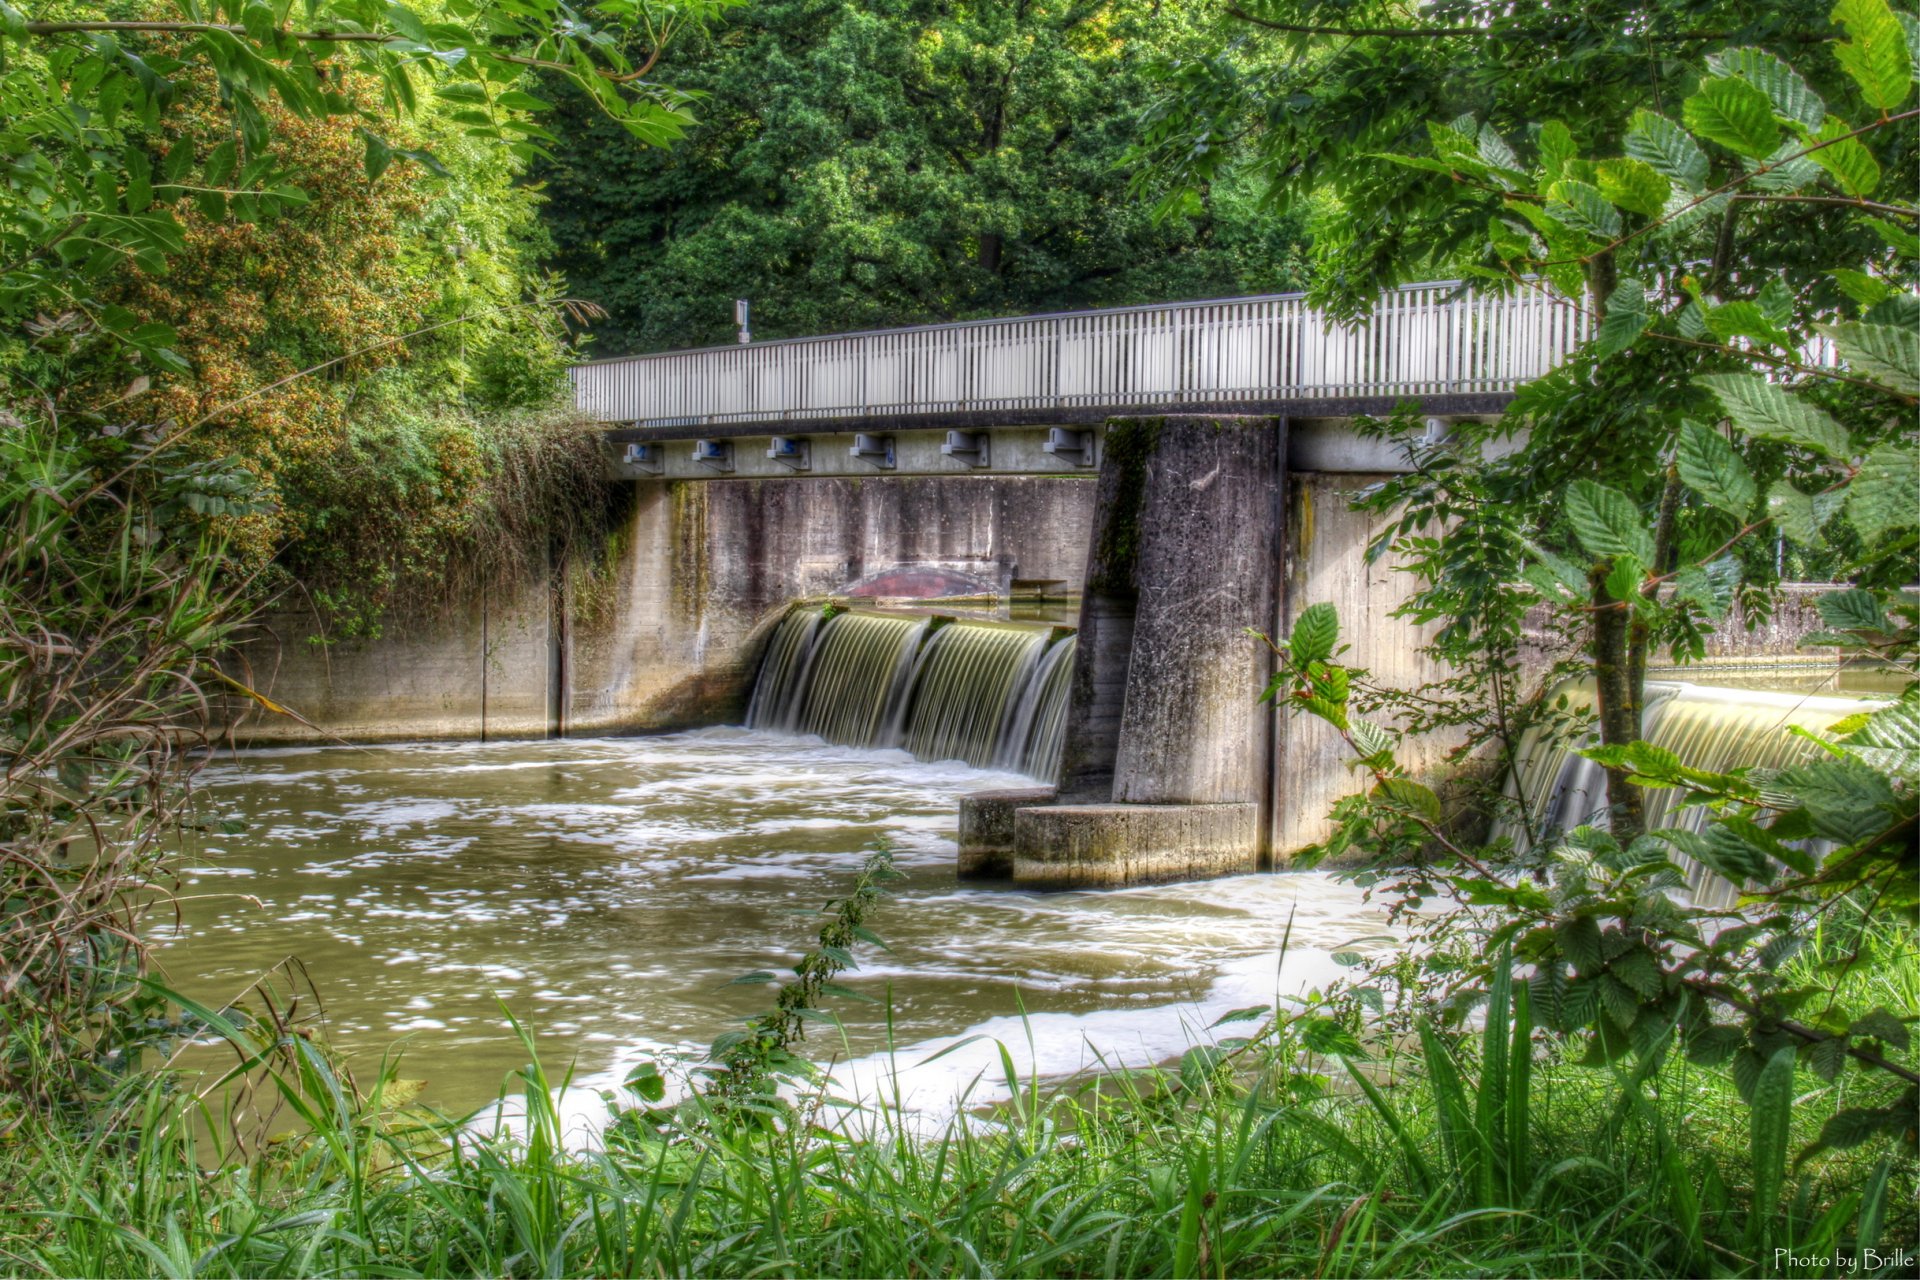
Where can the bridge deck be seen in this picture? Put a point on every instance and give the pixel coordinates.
(1431, 342)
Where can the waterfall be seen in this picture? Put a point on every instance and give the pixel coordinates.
(1708, 728)
(991, 694)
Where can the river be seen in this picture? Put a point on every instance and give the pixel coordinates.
(607, 891)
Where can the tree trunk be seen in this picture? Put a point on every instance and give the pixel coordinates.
(1618, 694)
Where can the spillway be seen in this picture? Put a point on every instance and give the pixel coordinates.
(1708, 728)
(988, 693)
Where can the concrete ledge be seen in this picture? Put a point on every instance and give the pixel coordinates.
(986, 830)
(1105, 845)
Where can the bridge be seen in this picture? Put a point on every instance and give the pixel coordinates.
(1183, 469)
(1030, 395)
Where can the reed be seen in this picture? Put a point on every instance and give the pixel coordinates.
(1483, 1153)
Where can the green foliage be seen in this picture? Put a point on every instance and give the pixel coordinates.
(1283, 1148)
(84, 102)
(895, 163)
(1616, 959)
(112, 608)
(754, 1062)
(189, 232)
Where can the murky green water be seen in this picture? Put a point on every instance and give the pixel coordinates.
(608, 889)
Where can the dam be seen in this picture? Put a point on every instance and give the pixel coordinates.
(1000, 624)
(1180, 476)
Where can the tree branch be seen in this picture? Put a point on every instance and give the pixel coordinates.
(1517, 35)
(1798, 1030)
(44, 29)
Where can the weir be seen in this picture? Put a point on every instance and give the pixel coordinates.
(989, 694)
(1709, 728)
(1045, 456)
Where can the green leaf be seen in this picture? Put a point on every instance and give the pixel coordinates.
(1607, 522)
(1624, 579)
(1847, 800)
(1709, 466)
(1853, 610)
(1314, 634)
(1792, 514)
(1711, 1045)
(1580, 204)
(1621, 1004)
(1410, 796)
(1556, 148)
(13, 23)
(1882, 1025)
(220, 164)
(1847, 160)
(1770, 411)
(1854, 1125)
(1668, 149)
(1695, 584)
(1634, 185)
(1626, 318)
(1885, 495)
(1496, 154)
(1745, 319)
(1248, 1014)
(1640, 971)
(1881, 353)
(1734, 114)
(1374, 743)
(1788, 168)
(1771, 1121)
(647, 1081)
(1861, 287)
(1903, 241)
(1877, 56)
(1724, 851)
(1579, 941)
(139, 192)
(379, 154)
(408, 23)
(1895, 309)
(1790, 95)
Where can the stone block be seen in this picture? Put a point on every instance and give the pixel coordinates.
(986, 830)
(1107, 845)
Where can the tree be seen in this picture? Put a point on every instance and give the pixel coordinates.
(1715, 243)
(137, 142)
(917, 160)
(1416, 131)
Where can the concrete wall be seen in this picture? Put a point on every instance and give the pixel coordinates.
(1327, 563)
(666, 635)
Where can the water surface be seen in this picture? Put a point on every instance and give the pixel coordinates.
(607, 890)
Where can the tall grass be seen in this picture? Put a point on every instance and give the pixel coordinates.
(1483, 1154)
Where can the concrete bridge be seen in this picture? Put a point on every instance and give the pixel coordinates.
(1031, 395)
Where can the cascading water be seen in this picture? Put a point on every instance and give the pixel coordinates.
(1708, 728)
(986, 693)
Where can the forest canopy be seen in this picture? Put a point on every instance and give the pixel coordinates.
(858, 166)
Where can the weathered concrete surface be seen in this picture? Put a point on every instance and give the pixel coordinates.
(1205, 535)
(1327, 562)
(986, 829)
(666, 634)
(1102, 845)
(479, 672)
(1166, 762)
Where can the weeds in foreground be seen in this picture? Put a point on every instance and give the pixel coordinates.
(1485, 1154)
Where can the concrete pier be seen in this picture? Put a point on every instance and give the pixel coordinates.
(1165, 765)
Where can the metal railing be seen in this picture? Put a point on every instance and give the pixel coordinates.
(1425, 339)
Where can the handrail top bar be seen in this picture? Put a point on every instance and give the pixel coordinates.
(989, 320)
